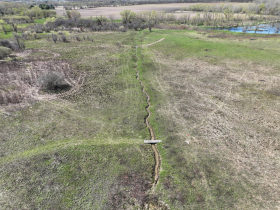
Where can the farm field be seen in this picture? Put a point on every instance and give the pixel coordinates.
(214, 99)
(115, 11)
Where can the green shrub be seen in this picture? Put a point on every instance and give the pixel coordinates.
(4, 51)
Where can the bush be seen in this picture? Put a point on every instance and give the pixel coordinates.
(122, 29)
(52, 81)
(8, 44)
(24, 36)
(63, 38)
(60, 33)
(54, 38)
(4, 51)
(34, 34)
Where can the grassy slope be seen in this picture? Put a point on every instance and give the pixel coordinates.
(86, 150)
(223, 165)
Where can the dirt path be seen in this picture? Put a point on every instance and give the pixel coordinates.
(152, 133)
(146, 45)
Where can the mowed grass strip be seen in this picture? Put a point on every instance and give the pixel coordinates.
(65, 144)
(183, 44)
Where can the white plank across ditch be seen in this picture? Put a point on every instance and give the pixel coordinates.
(152, 141)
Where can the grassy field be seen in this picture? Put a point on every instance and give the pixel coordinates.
(214, 99)
(85, 150)
(214, 102)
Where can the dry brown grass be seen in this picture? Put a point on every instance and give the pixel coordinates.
(20, 80)
(231, 110)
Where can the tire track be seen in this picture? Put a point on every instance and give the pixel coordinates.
(152, 133)
(146, 45)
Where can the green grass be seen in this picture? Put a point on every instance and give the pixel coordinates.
(194, 176)
(6, 36)
(75, 176)
(85, 151)
(110, 84)
(40, 21)
(21, 27)
(187, 45)
(107, 112)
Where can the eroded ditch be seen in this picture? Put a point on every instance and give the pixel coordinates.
(152, 133)
(151, 202)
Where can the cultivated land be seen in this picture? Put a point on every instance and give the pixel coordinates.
(115, 11)
(214, 99)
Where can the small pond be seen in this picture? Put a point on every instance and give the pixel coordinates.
(270, 28)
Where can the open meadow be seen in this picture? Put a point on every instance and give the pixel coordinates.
(77, 150)
(215, 104)
(212, 97)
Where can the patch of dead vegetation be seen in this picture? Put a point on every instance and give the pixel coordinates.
(19, 82)
(132, 191)
(230, 109)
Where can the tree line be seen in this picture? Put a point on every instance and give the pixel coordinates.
(268, 7)
(74, 4)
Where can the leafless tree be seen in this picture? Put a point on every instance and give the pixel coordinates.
(54, 38)
(13, 24)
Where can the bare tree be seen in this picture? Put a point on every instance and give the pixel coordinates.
(3, 8)
(112, 18)
(54, 38)
(127, 16)
(31, 14)
(2, 23)
(21, 45)
(75, 15)
(13, 25)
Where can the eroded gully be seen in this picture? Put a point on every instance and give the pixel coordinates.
(152, 133)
